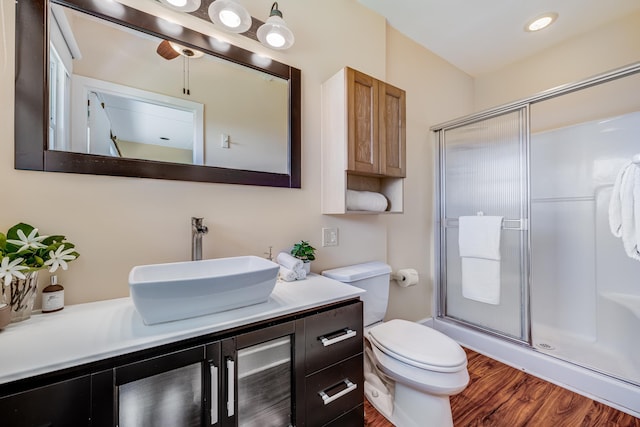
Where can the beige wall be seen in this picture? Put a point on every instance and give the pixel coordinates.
(117, 222)
(608, 47)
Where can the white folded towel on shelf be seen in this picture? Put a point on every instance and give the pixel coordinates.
(288, 275)
(366, 201)
(479, 246)
(624, 209)
(289, 261)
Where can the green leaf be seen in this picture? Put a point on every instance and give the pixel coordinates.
(12, 234)
(52, 239)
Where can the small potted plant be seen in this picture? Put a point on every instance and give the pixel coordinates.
(23, 253)
(305, 252)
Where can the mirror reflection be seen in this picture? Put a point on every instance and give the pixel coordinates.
(121, 93)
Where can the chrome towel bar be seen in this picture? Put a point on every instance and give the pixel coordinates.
(507, 224)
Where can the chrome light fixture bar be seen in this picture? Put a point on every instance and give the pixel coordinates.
(274, 33)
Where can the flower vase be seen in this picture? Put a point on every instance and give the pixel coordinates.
(307, 267)
(22, 295)
(5, 315)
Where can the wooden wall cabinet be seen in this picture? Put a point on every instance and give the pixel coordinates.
(363, 139)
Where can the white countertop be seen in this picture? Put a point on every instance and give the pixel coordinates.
(94, 331)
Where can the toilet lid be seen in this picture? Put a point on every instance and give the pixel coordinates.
(418, 345)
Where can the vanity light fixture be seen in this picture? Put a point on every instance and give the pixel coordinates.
(540, 22)
(182, 5)
(230, 15)
(274, 33)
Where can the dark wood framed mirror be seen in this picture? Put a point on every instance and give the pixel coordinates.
(32, 113)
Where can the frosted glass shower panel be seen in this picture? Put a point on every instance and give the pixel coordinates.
(483, 168)
(484, 172)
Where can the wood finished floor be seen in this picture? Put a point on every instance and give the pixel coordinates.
(501, 396)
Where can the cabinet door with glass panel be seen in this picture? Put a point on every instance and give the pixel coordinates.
(169, 390)
(259, 377)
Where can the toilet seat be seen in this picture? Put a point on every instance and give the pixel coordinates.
(418, 346)
(435, 383)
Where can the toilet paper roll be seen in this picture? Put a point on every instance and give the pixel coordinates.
(406, 277)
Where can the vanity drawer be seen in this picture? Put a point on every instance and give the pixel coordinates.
(334, 391)
(353, 418)
(333, 336)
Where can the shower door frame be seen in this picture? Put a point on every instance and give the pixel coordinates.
(525, 243)
(440, 299)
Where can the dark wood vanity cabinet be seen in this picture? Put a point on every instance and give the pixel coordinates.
(303, 369)
(334, 382)
(62, 404)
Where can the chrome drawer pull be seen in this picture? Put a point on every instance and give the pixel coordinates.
(348, 333)
(214, 394)
(328, 399)
(231, 403)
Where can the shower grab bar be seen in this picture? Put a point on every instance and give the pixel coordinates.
(507, 224)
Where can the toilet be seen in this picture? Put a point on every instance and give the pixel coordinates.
(410, 369)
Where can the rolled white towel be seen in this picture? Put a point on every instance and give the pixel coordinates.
(366, 201)
(301, 274)
(288, 261)
(287, 275)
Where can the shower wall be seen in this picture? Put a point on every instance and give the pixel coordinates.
(580, 275)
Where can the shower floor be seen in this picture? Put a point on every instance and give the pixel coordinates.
(584, 351)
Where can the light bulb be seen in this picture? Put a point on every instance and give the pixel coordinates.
(274, 33)
(182, 5)
(230, 15)
(229, 18)
(275, 39)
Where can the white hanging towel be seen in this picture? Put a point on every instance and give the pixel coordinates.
(479, 245)
(624, 209)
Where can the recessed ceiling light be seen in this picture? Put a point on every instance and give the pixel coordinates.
(540, 22)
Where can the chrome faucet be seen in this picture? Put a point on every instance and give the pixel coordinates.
(198, 229)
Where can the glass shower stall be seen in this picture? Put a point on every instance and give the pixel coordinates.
(568, 287)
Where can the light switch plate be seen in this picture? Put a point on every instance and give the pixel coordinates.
(330, 236)
(224, 140)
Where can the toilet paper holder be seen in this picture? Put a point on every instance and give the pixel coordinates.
(405, 277)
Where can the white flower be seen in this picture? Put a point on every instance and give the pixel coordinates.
(59, 258)
(10, 269)
(30, 241)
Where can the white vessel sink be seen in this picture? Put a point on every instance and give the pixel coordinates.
(180, 290)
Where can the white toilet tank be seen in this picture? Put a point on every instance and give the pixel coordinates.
(374, 278)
